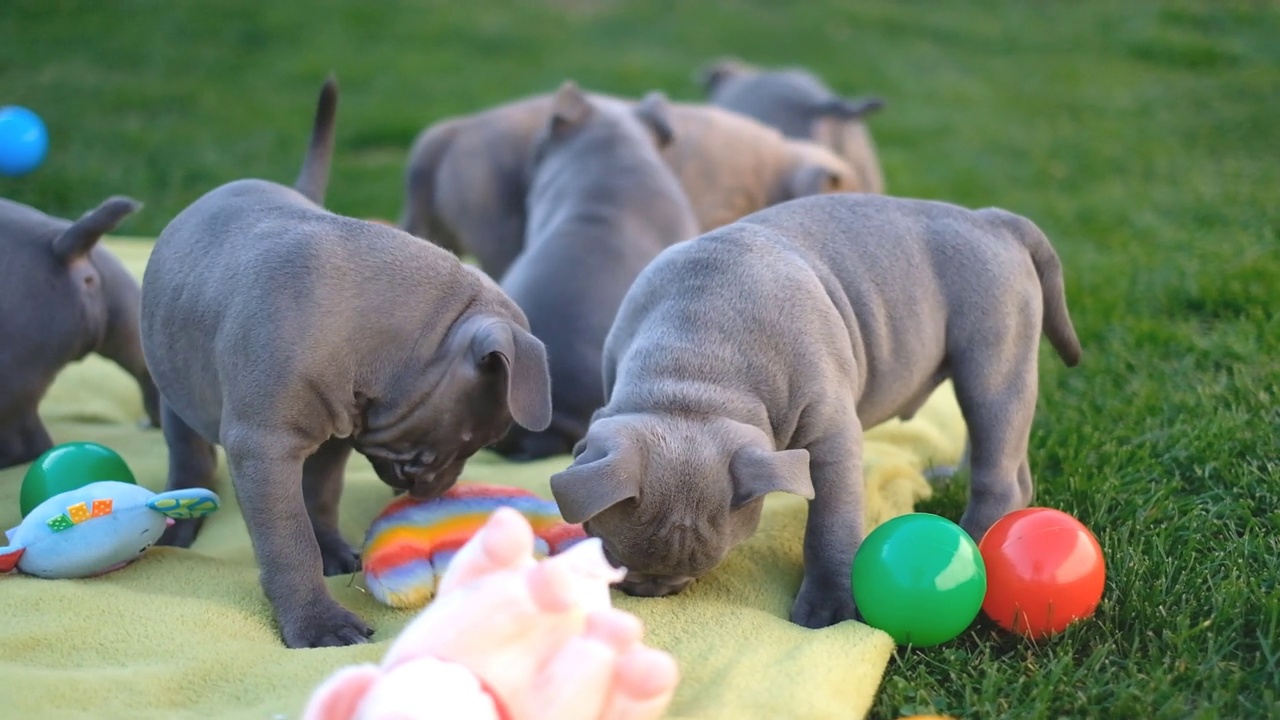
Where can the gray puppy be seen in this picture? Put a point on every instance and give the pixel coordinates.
(290, 335)
(602, 205)
(799, 104)
(749, 360)
(63, 298)
(468, 177)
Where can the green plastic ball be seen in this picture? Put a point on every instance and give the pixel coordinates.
(920, 578)
(67, 467)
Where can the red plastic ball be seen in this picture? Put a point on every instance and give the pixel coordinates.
(1045, 570)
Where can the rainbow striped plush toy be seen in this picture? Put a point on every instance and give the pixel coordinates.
(410, 543)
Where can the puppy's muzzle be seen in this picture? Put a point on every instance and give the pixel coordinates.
(643, 585)
(423, 483)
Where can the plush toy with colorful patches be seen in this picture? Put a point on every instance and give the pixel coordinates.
(97, 528)
(410, 543)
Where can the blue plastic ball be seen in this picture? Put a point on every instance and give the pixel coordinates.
(23, 140)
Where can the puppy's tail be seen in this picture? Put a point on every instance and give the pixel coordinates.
(314, 177)
(1057, 322)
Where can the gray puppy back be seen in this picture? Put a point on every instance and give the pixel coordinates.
(602, 204)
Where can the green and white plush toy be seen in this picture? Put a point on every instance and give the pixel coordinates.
(97, 528)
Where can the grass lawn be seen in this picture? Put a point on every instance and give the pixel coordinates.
(1144, 138)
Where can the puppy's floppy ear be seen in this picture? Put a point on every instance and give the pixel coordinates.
(76, 241)
(603, 475)
(757, 472)
(814, 179)
(849, 108)
(569, 107)
(712, 75)
(523, 358)
(654, 110)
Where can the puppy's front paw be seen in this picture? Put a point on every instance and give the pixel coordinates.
(181, 533)
(325, 624)
(338, 557)
(817, 606)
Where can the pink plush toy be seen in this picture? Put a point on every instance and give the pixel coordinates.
(508, 636)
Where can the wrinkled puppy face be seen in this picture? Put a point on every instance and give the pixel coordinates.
(671, 496)
(425, 457)
(487, 373)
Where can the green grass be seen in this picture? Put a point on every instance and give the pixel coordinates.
(1144, 138)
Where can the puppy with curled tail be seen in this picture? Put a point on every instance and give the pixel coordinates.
(291, 336)
(748, 361)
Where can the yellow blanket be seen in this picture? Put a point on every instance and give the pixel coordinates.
(188, 633)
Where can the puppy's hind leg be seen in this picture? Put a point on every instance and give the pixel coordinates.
(322, 488)
(998, 398)
(192, 462)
